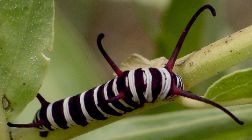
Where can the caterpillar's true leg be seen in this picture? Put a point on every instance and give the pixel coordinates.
(121, 95)
(43, 133)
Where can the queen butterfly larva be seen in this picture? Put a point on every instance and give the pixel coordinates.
(129, 90)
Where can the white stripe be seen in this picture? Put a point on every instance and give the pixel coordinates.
(50, 117)
(127, 81)
(167, 83)
(177, 81)
(183, 86)
(114, 87)
(37, 115)
(96, 102)
(132, 86)
(163, 83)
(38, 118)
(83, 108)
(106, 98)
(180, 82)
(144, 79)
(67, 114)
(148, 91)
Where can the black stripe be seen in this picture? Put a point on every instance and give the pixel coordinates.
(180, 82)
(123, 88)
(173, 79)
(156, 84)
(42, 116)
(103, 104)
(35, 120)
(180, 85)
(140, 86)
(35, 117)
(75, 111)
(111, 94)
(91, 107)
(58, 114)
(177, 83)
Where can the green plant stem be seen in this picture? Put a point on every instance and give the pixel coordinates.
(216, 57)
(26, 38)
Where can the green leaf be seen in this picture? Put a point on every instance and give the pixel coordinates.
(190, 124)
(26, 37)
(74, 68)
(4, 131)
(232, 87)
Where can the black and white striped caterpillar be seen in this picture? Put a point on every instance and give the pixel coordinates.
(128, 91)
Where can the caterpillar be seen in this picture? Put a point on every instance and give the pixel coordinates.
(128, 91)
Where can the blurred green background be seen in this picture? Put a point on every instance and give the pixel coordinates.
(150, 28)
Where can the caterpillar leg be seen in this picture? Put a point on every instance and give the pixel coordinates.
(121, 95)
(43, 133)
(113, 99)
